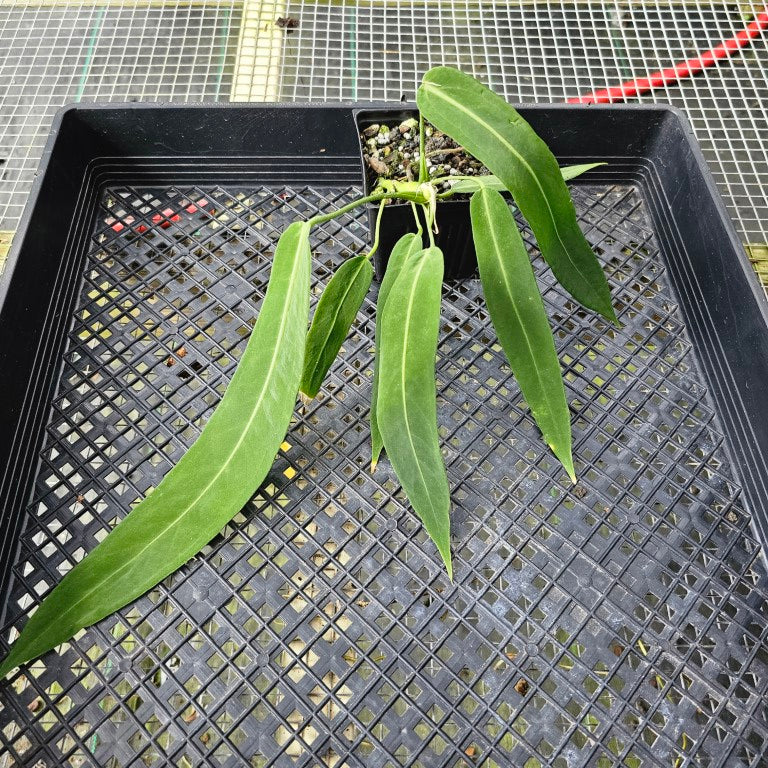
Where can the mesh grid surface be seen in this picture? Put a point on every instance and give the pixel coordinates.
(528, 51)
(548, 52)
(621, 621)
(60, 54)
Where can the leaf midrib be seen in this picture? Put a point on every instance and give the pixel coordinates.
(403, 368)
(436, 91)
(389, 279)
(512, 303)
(223, 465)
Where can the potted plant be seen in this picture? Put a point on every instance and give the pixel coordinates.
(227, 463)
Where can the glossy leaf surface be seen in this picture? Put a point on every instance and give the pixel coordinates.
(211, 482)
(334, 315)
(406, 408)
(404, 247)
(495, 133)
(518, 316)
(568, 172)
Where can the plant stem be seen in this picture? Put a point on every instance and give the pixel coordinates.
(375, 246)
(430, 225)
(422, 154)
(374, 198)
(415, 210)
(439, 179)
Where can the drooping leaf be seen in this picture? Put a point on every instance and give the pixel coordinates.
(495, 133)
(518, 315)
(406, 407)
(404, 247)
(335, 313)
(474, 183)
(211, 482)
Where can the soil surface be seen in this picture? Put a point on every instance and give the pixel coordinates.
(392, 152)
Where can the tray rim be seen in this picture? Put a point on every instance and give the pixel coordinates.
(661, 109)
(644, 182)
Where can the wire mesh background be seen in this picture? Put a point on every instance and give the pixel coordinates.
(60, 52)
(620, 622)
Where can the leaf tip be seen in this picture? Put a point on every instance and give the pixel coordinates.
(376, 449)
(566, 459)
(306, 398)
(610, 315)
(445, 552)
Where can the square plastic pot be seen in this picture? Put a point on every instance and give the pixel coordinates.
(454, 235)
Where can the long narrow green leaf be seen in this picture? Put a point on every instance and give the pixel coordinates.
(518, 315)
(406, 407)
(495, 133)
(474, 183)
(404, 247)
(211, 482)
(335, 312)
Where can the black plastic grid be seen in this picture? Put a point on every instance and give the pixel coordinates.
(621, 621)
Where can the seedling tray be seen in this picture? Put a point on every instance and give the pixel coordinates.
(621, 621)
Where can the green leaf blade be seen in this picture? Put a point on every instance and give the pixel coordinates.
(213, 480)
(519, 318)
(406, 246)
(338, 306)
(495, 133)
(478, 182)
(406, 406)
(569, 172)
(472, 184)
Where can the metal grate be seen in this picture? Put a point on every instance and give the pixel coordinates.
(547, 52)
(618, 622)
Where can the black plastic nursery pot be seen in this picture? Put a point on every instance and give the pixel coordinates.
(454, 235)
(618, 621)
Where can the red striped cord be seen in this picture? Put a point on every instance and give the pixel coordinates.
(680, 70)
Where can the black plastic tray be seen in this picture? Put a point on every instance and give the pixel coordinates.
(618, 622)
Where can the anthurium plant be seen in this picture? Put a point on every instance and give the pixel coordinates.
(231, 457)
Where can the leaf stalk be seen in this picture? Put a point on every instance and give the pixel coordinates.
(377, 230)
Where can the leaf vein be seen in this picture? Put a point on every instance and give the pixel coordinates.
(513, 304)
(524, 162)
(223, 465)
